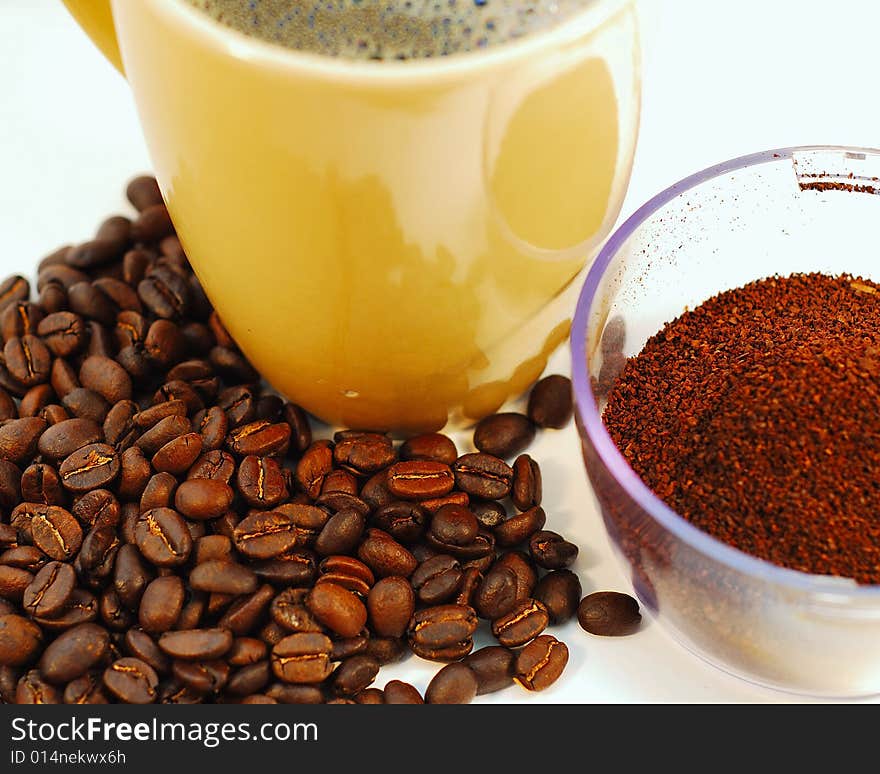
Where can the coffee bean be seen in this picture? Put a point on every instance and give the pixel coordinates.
(214, 465)
(130, 576)
(28, 558)
(348, 572)
(364, 453)
(390, 604)
(105, 377)
(134, 474)
(384, 555)
(74, 652)
(121, 294)
(19, 438)
(404, 521)
(261, 481)
(370, 696)
(181, 391)
(265, 535)
(493, 666)
(161, 604)
(419, 479)
(398, 692)
(90, 302)
(82, 607)
(56, 532)
(152, 224)
(53, 414)
(386, 650)
(354, 675)
(86, 689)
(550, 402)
(283, 693)
(484, 476)
(302, 658)
(50, 590)
(434, 447)
(337, 608)
(81, 402)
(454, 524)
(375, 492)
(27, 359)
(488, 512)
(496, 594)
(551, 551)
(437, 579)
(243, 614)
(504, 435)
(527, 489)
(164, 344)
(178, 455)
(441, 626)
(341, 533)
(609, 614)
(453, 684)
(196, 644)
(259, 438)
(524, 570)
(470, 580)
(223, 578)
(517, 529)
(20, 319)
(246, 651)
(143, 192)
(59, 274)
(162, 432)
(90, 467)
(41, 484)
(300, 430)
(560, 593)
(203, 498)
(14, 288)
(158, 492)
(114, 614)
(213, 428)
(20, 640)
(62, 439)
(163, 538)
(289, 610)
(33, 689)
(522, 624)
(119, 428)
(132, 681)
(540, 663)
(249, 679)
(202, 677)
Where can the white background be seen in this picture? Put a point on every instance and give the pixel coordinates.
(721, 79)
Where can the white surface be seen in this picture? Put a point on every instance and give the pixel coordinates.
(721, 80)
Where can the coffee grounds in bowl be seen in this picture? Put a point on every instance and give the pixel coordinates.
(756, 416)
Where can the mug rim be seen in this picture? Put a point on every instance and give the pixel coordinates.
(261, 52)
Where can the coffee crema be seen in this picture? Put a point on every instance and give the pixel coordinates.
(389, 29)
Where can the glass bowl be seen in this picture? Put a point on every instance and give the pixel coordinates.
(789, 210)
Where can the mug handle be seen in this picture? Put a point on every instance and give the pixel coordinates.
(96, 19)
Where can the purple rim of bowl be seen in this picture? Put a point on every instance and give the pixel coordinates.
(629, 480)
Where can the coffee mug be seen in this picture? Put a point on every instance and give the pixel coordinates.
(394, 245)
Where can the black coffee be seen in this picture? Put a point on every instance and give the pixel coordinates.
(389, 29)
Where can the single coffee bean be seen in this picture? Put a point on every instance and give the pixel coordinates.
(58, 274)
(454, 524)
(517, 529)
(81, 608)
(550, 403)
(161, 604)
(484, 476)
(442, 625)
(540, 663)
(105, 377)
(203, 677)
(243, 614)
(115, 230)
(19, 438)
(232, 365)
(404, 521)
(212, 547)
(86, 689)
(419, 479)
(41, 484)
(353, 675)
(364, 453)
(28, 359)
(496, 594)
(375, 491)
(54, 413)
(132, 681)
(14, 288)
(29, 558)
(20, 640)
(33, 689)
(551, 551)
(119, 428)
(20, 319)
(522, 624)
(203, 498)
(164, 345)
(340, 481)
(337, 608)
(261, 481)
(504, 435)
(560, 593)
(246, 651)
(196, 644)
(87, 404)
(370, 696)
(89, 301)
(493, 667)
(346, 647)
(62, 439)
(8, 409)
(437, 579)
(471, 578)
(130, 576)
(50, 590)
(158, 492)
(384, 555)
(178, 455)
(114, 614)
(259, 438)
(609, 614)
(141, 645)
(162, 432)
(163, 538)
(265, 535)
(488, 512)
(238, 403)
(433, 447)
(289, 610)
(182, 391)
(35, 400)
(524, 570)
(399, 692)
(526, 491)
(215, 465)
(453, 684)
(390, 604)
(91, 467)
(134, 474)
(223, 577)
(338, 501)
(74, 652)
(348, 572)
(386, 650)
(341, 533)
(300, 429)
(284, 693)
(143, 192)
(213, 428)
(302, 658)
(56, 532)
(164, 293)
(249, 679)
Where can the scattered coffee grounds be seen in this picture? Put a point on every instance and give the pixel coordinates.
(756, 416)
(171, 532)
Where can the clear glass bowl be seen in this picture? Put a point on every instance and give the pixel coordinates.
(789, 210)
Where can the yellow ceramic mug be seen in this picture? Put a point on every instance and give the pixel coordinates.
(391, 243)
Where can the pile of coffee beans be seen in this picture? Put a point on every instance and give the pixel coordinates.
(171, 532)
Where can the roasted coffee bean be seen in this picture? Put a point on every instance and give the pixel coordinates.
(60, 274)
(560, 593)
(196, 644)
(354, 675)
(203, 677)
(289, 610)
(8, 408)
(173, 691)
(19, 438)
(113, 613)
(27, 359)
(178, 455)
(101, 341)
(151, 416)
(259, 438)
(212, 547)
(293, 568)
(384, 555)
(163, 538)
(493, 666)
(33, 689)
(265, 535)
(56, 532)
(50, 590)
(471, 578)
(300, 429)
(143, 192)
(119, 428)
(348, 572)
(386, 650)
(399, 692)
(213, 428)
(540, 663)
(35, 400)
(203, 498)
(182, 391)
(483, 545)
(341, 533)
(193, 612)
(238, 403)
(337, 608)
(246, 651)
(390, 604)
(419, 479)
(164, 344)
(231, 364)
(340, 481)
(496, 594)
(442, 626)
(370, 696)
(165, 293)
(302, 658)
(504, 435)
(131, 329)
(20, 640)
(284, 693)
(53, 298)
(437, 579)
(223, 578)
(488, 512)
(522, 624)
(434, 447)
(261, 481)
(10, 485)
(524, 570)
(375, 492)
(365, 453)
(92, 303)
(453, 684)
(74, 652)
(550, 402)
(338, 501)
(82, 607)
(141, 645)
(484, 476)
(346, 647)
(105, 377)
(249, 679)
(28, 558)
(215, 465)
(269, 407)
(54, 413)
(14, 288)
(518, 529)
(134, 474)
(454, 524)
(243, 614)
(90, 467)
(404, 521)
(135, 264)
(527, 489)
(20, 319)
(86, 689)
(130, 576)
(115, 230)
(158, 492)
(87, 404)
(162, 432)
(551, 551)
(132, 681)
(62, 439)
(609, 614)
(41, 484)
(161, 604)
